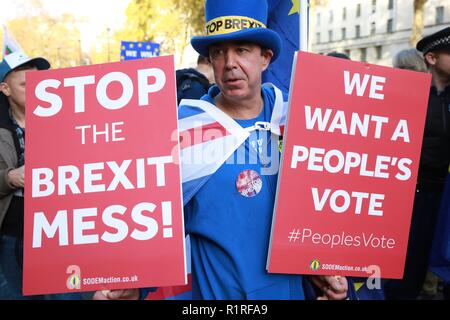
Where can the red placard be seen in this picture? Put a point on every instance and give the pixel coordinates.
(349, 168)
(103, 206)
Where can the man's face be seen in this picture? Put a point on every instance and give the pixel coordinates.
(238, 67)
(440, 62)
(13, 87)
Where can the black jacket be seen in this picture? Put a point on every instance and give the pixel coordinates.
(435, 156)
(191, 84)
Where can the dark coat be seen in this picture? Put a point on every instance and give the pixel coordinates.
(435, 155)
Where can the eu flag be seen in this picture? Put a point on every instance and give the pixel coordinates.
(283, 18)
(131, 50)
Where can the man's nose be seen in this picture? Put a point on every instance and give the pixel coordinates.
(230, 59)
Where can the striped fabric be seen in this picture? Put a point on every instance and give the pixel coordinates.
(207, 138)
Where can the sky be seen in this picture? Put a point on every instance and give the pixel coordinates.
(98, 14)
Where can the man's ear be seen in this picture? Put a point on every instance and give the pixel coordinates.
(4, 88)
(431, 57)
(267, 57)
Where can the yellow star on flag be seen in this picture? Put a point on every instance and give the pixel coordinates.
(148, 47)
(358, 285)
(295, 7)
(140, 45)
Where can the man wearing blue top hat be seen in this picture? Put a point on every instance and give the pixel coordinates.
(228, 198)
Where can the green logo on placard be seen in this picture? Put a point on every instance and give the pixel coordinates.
(315, 265)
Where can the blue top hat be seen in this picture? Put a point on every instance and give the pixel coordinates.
(237, 20)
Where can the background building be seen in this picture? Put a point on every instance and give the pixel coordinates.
(372, 30)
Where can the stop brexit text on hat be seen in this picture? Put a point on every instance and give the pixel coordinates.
(238, 20)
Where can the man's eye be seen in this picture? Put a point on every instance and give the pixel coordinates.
(214, 53)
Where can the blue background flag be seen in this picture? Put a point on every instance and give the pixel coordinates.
(130, 50)
(284, 17)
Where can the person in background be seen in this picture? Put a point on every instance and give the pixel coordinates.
(409, 59)
(204, 67)
(433, 169)
(436, 51)
(194, 83)
(338, 55)
(12, 164)
(412, 59)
